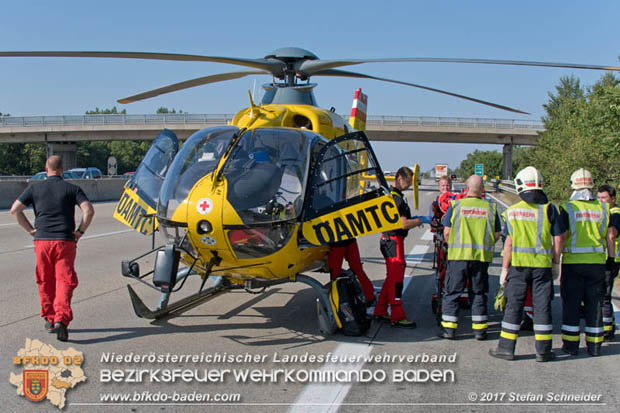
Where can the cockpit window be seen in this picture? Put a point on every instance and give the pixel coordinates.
(198, 157)
(266, 174)
(346, 172)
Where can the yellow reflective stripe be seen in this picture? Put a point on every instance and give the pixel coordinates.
(334, 301)
(479, 326)
(447, 324)
(608, 328)
(543, 337)
(595, 339)
(509, 336)
(570, 338)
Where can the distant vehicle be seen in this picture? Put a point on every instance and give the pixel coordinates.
(127, 175)
(441, 170)
(86, 173)
(40, 176)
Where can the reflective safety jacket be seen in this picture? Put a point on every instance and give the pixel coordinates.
(472, 236)
(616, 210)
(587, 227)
(530, 230)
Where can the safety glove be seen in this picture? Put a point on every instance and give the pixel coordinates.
(500, 300)
(610, 263)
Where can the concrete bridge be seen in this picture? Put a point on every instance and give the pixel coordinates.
(61, 132)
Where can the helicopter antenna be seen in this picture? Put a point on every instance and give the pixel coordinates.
(252, 106)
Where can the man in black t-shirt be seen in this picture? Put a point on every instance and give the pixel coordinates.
(55, 237)
(393, 249)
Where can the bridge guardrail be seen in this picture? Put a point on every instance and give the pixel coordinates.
(191, 118)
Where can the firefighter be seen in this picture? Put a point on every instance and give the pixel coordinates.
(531, 226)
(471, 226)
(585, 220)
(607, 194)
(392, 246)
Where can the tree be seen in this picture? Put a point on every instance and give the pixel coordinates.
(582, 130)
(165, 110)
(112, 111)
(492, 161)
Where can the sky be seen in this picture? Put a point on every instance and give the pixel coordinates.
(555, 31)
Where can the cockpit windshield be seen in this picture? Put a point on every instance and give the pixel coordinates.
(266, 174)
(198, 157)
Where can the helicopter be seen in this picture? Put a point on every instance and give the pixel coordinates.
(256, 203)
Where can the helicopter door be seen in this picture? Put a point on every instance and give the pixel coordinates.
(137, 205)
(347, 195)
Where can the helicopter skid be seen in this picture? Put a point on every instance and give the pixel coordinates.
(143, 311)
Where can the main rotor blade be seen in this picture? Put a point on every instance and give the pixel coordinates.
(343, 73)
(271, 65)
(311, 67)
(221, 77)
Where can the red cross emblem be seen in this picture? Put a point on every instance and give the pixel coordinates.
(204, 206)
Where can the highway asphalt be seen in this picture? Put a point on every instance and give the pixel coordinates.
(278, 324)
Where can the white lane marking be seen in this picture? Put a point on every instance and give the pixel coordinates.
(6, 225)
(498, 201)
(316, 397)
(414, 257)
(417, 254)
(88, 237)
(107, 234)
(428, 235)
(331, 400)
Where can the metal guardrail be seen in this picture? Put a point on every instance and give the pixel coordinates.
(189, 118)
(507, 186)
(76, 120)
(474, 123)
(27, 177)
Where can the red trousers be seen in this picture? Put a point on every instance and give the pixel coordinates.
(392, 290)
(352, 254)
(56, 279)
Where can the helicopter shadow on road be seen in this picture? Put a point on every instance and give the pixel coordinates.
(291, 324)
(412, 259)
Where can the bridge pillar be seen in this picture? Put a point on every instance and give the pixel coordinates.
(507, 166)
(66, 151)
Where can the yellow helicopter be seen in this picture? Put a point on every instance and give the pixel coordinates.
(257, 203)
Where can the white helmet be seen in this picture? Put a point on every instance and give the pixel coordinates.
(581, 179)
(528, 179)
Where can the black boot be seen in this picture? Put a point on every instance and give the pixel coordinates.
(480, 335)
(499, 353)
(570, 351)
(544, 357)
(49, 326)
(447, 333)
(61, 332)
